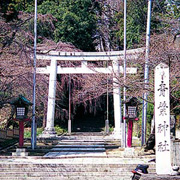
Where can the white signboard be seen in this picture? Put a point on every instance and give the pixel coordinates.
(162, 119)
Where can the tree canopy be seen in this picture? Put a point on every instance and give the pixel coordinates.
(84, 25)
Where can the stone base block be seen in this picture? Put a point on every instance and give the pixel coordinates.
(20, 152)
(48, 133)
(133, 152)
(116, 134)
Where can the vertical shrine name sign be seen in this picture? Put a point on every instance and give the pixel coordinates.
(162, 119)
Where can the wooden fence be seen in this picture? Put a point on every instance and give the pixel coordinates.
(8, 134)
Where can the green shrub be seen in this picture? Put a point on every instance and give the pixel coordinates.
(60, 130)
(27, 132)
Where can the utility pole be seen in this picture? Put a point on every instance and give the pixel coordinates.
(33, 125)
(69, 120)
(146, 75)
(124, 71)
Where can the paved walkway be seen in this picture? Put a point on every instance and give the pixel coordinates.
(83, 145)
(73, 146)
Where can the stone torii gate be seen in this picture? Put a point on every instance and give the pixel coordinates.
(84, 57)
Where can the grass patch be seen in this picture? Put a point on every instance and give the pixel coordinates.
(111, 129)
(27, 131)
(59, 130)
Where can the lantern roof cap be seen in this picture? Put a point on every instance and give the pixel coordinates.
(132, 101)
(21, 100)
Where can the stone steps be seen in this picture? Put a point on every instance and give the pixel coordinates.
(117, 171)
(80, 157)
(71, 178)
(79, 149)
(73, 167)
(153, 176)
(62, 171)
(79, 146)
(80, 175)
(58, 173)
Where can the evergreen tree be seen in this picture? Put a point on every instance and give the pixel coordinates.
(75, 22)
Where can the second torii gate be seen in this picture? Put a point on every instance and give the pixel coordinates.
(84, 57)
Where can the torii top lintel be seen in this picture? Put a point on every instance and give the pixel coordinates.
(88, 56)
(84, 57)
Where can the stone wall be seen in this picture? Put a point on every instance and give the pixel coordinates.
(8, 134)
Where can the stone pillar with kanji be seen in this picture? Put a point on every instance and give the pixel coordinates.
(162, 120)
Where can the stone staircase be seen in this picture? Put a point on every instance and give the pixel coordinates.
(61, 170)
(79, 145)
(74, 157)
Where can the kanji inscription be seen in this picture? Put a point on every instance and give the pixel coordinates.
(162, 119)
(162, 108)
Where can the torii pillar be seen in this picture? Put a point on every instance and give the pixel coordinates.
(49, 130)
(117, 101)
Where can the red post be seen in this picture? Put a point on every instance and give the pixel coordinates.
(21, 133)
(130, 129)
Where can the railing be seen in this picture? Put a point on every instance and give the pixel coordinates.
(8, 134)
